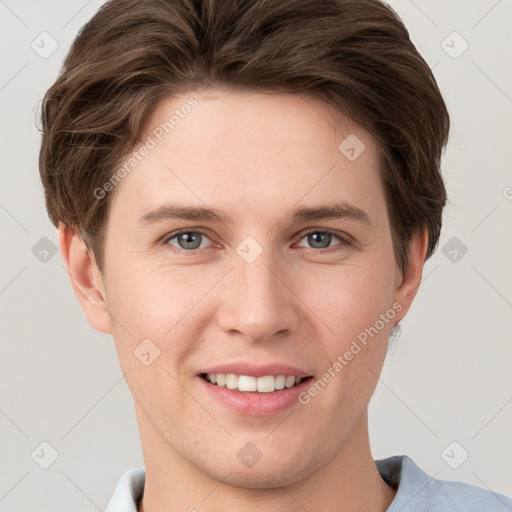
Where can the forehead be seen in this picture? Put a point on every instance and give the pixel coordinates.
(262, 150)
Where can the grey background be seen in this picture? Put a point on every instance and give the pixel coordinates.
(446, 379)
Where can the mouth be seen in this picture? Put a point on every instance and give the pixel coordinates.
(252, 384)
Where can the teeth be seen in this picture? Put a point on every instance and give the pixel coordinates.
(247, 383)
(231, 381)
(267, 384)
(280, 381)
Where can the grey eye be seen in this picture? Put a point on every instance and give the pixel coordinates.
(188, 240)
(319, 240)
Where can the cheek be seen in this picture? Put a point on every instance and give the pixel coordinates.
(351, 300)
(357, 307)
(352, 303)
(156, 328)
(159, 304)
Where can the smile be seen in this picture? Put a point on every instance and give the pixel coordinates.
(249, 383)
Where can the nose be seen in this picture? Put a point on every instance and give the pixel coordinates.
(257, 304)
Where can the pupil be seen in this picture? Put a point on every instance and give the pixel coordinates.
(319, 240)
(189, 240)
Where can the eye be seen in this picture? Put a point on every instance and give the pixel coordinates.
(321, 239)
(188, 240)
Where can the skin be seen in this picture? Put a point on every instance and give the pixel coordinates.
(255, 157)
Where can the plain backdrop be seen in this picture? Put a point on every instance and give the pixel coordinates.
(445, 394)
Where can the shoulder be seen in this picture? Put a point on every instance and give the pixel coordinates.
(467, 498)
(419, 492)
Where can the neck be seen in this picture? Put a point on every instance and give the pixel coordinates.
(349, 481)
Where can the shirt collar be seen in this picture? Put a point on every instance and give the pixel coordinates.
(128, 491)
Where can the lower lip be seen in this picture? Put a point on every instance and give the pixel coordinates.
(256, 404)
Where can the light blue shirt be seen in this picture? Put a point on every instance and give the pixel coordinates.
(417, 492)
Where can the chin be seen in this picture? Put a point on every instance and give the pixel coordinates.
(266, 473)
(262, 478)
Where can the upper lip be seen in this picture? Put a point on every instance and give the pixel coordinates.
(256, 370)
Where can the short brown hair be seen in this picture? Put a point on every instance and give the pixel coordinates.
(354, 54)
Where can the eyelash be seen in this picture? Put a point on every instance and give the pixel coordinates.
(343, 238)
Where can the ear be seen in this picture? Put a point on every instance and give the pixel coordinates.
(85, 278)
(409, 282)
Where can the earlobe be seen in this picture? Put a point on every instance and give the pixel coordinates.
(85, 278)
(411, 279)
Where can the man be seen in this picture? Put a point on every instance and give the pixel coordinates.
(246, 193)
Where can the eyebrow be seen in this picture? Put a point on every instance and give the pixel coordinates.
(175, 211)
(338, 210)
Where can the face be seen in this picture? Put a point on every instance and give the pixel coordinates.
(246, 242)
